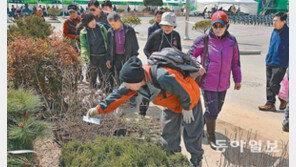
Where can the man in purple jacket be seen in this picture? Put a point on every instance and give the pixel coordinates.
(220, 59)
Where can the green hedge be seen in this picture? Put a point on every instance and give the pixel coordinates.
(118, 152)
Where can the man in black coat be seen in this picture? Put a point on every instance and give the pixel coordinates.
(155, 26)
(122, 45)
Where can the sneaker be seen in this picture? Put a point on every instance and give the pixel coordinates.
(267, 107)
(283, 105)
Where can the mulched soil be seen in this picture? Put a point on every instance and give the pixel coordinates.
(48, 152)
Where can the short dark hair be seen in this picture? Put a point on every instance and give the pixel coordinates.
(93, 2)
(86, 18)
(158, 12)
(113, 16)
(107, 3)
(281, 15)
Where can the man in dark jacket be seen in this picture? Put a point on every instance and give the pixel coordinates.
(107, 6)
(277, 60)
(165, 37)
(26, 11)
(123, 43)
(101, 16)
(13, 9)
(181, 104)
(155, 26)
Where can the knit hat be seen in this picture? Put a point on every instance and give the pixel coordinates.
(219, 17)
(132, 71)
(73, 8)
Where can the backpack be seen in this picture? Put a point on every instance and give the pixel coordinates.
(175, 59)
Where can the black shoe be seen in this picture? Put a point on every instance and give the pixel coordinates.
(143, 113)
(285, 127)
(196, 161)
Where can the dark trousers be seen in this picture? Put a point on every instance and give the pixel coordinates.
(274, 76)
(98, 69)
(213, 103)
(118, 62)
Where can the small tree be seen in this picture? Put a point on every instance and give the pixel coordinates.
(151, 21)
(23, 129)
(202, 26)
(152, 2)
(54, 12)
(19, 102)
(166, 9)
(119, 10)
(32, 26)
(49, 66)
(132, 20)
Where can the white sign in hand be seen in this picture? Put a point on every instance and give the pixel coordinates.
(91, 120)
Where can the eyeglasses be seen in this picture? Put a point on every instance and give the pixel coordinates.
(218, 26)
(92, 10)
(72, 12)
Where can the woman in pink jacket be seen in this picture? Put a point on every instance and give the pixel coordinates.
(220, 56)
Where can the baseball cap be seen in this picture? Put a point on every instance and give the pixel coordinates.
(219, 17)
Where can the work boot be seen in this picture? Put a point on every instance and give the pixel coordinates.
(283, 104)
(196, 161)
(211, 128)
(267, 107)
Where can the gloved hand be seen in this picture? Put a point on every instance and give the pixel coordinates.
(93, 112)
(187, 116)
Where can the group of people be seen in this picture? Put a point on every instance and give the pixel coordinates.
(116, 48)
(22, 11)
(111, 48)
(25, 11)
(40, 10)
(104, 42)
